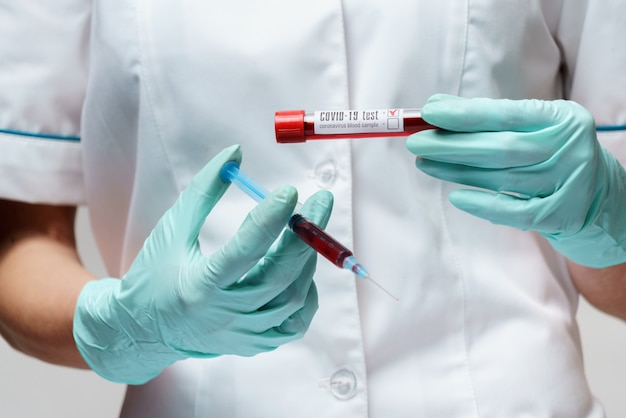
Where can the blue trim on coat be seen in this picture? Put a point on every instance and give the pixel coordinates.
(41, 136)
(608, 128)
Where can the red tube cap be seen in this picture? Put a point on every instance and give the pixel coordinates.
(289, 126)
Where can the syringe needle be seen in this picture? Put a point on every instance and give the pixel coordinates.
(382, 288)
(350, 263)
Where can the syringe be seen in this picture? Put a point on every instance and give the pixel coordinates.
(306, 230)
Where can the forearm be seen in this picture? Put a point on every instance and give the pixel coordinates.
(41, 277)
(604, 288)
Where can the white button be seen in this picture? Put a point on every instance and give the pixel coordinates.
(325, 174)
(343, 384)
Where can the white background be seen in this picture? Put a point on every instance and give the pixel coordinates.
(31, 389)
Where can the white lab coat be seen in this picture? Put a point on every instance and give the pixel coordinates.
(486, 322)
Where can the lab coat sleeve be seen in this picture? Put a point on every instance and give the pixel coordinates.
(597, 60)
(43, 71)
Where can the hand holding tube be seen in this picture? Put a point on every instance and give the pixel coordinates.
(544, 163)
(252, 295)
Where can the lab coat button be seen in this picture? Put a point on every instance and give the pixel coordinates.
(325, 174)
(343, 384)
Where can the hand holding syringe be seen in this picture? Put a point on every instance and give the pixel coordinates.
(306, 230)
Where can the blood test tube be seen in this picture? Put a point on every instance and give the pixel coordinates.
(294, 126)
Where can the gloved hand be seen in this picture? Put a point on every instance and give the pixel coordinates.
(544, 163)
(249, 297)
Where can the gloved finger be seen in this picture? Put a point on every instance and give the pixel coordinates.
(295, 326)
(534, 180)
(250, 344)
(482, 114)
(505, 209)
(485, 149)
(256, 235)
(290, 300)
(442, 97)
(261, 330)
(265, 330)
(290, 248)
(316, 209)
(297, 289)
(298, 322)
(286, 261)
(182, 222)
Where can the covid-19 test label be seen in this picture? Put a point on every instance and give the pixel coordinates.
(328, 122)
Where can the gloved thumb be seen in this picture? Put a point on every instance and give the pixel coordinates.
(182, 222)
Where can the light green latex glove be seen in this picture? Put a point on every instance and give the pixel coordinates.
(249, 297)
(544, 163)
